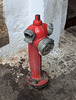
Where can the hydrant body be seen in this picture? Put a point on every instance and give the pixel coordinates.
(39, 44)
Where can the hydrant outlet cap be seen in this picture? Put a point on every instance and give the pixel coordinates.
(45, 46)
(37, 20)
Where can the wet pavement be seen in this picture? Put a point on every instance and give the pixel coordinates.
(13, 86)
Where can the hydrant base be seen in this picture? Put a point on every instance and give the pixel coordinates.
(39, 82)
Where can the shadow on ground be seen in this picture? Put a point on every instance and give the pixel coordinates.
(13, 86)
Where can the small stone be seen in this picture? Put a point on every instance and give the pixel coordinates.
(67, 58)
(55, 59)
(61, 62)
(52, 71)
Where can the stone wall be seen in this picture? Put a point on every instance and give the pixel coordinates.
(4, 38)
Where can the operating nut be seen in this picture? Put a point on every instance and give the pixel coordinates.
(45, 46)
(50, 29)
(29, 36)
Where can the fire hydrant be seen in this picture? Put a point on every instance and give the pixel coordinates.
(36, 35)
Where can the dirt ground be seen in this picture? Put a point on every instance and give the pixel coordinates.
(13, 86)
(61, 67)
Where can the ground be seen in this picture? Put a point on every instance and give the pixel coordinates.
(14, 86)
(60, 65)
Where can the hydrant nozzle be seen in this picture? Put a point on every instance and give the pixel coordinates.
(36, 35)
(37, 20)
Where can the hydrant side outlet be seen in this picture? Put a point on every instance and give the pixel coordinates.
(38, 44)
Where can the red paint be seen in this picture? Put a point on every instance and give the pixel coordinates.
(40, 30)
(35, 61)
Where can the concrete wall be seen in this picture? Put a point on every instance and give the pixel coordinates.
(20, 13)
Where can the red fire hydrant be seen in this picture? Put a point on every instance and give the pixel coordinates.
(39, 44)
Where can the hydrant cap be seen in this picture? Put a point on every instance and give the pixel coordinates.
(37, 20)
